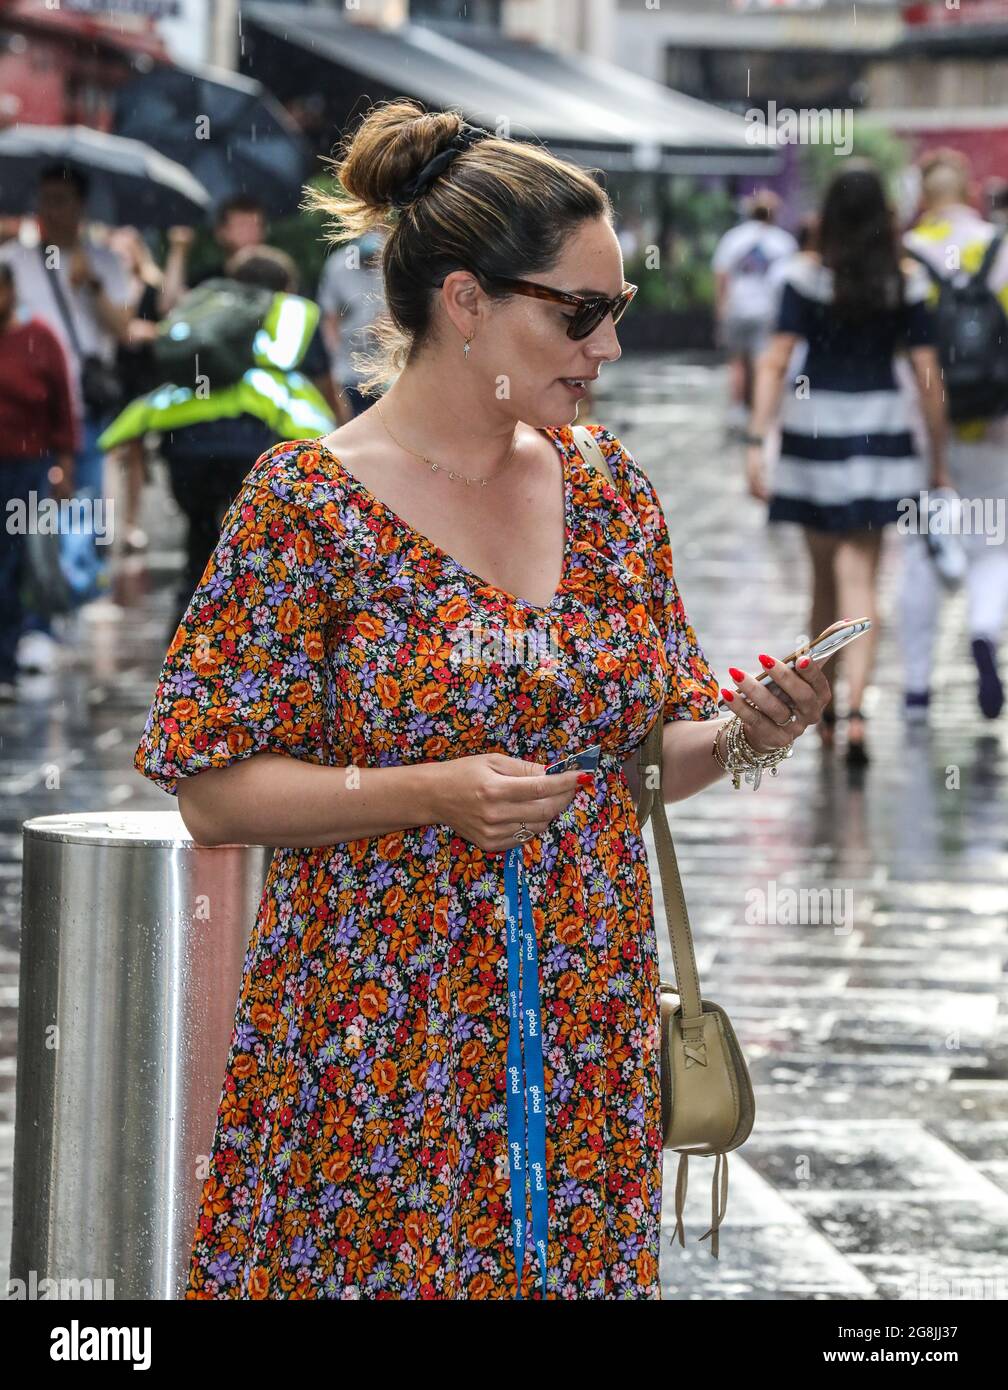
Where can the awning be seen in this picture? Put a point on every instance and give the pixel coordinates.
(586, 110)
(867, 31)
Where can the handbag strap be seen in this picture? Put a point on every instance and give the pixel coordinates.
(53, 279)
(650, 755)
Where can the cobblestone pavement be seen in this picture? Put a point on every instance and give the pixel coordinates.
(876, 1031)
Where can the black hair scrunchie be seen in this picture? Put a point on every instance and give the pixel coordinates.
(464, 140)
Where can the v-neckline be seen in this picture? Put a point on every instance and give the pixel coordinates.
(553, 433)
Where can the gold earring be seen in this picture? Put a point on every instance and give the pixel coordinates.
(465, 350)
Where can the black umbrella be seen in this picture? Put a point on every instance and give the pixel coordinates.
(130, 182)
(234, 136)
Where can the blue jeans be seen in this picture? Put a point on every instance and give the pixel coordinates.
(18, 478)
(83, 560)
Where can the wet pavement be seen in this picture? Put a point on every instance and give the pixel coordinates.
(853, 925)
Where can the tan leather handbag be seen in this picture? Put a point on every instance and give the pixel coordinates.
(708, 1106)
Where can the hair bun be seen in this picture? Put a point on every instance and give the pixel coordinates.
(390, 149)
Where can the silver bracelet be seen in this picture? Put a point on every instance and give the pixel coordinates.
(743, 760)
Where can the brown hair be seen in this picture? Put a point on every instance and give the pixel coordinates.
(763, 206)
(267, 266)
(859, 242)
(241, 202)
(502, 208)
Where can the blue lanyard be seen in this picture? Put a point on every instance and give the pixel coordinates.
(528, 1101)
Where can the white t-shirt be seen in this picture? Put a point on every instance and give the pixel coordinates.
(34, 292)
(745, 254)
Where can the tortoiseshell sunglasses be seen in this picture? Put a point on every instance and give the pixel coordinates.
(591, 309)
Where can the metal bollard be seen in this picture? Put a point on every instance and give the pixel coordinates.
(132, 945)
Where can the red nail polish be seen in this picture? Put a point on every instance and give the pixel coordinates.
(585, 779)
(766, 661)
(736, 674)
(803, 663)
(728, 694)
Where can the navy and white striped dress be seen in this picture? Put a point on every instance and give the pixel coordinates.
(847, 451)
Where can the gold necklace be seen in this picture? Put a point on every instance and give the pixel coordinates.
(436, 467)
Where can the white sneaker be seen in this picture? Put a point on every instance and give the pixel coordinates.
(38, 652)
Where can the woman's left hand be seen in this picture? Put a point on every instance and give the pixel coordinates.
(774, 723)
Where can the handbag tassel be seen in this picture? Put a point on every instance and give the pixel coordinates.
(717, 1210)
(680, 1197)
(717, 1216)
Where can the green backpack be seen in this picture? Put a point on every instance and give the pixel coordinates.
(211, 333)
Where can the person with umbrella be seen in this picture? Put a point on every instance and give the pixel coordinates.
(38, 435)
(80, 289)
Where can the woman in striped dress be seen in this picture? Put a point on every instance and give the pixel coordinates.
(847, 450)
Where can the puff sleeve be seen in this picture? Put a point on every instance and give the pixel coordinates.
(692, 690)
(793, 312)
(246, 670)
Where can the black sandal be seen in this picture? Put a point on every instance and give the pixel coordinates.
(827, 733)
(856, 753)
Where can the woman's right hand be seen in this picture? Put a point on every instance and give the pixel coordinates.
(756, 472)
(485, 797)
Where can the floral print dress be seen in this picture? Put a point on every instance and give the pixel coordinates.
(360, 1149)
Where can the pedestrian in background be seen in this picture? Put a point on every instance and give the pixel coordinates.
(80, 289)
(744, 294)
(135, 363)
(950, 236)
(240, 222)
(207, 439)
(847, 452)
(38, 434)
(350, 296)
(208, 461)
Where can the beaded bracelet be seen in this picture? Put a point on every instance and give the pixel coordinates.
(742, 759)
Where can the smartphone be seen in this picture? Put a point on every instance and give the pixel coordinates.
(830, 640)
(587, 760)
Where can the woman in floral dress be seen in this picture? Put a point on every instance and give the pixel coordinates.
(361, 1147)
